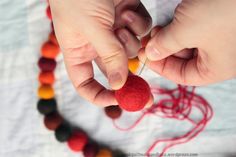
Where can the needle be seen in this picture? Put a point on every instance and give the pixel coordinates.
(144, 64)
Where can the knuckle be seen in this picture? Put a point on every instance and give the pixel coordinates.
(114, 55)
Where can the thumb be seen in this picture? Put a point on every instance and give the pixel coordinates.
(111, 53)
(165, 42)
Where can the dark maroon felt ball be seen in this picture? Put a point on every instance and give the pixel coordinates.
(113, 112)
(90, 150)
(46, 64)
(53, 121)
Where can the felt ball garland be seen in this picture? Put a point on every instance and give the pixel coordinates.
(133, 96)
(77, 140)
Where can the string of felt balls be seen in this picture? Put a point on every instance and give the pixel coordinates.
(77, 139)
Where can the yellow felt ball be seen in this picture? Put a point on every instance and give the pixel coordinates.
(104, 153)
(45, 92)
(133, 65)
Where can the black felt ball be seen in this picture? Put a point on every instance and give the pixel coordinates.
(118, 153)
(63, 133)
(46, 107)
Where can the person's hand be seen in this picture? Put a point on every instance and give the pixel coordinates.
(103, 31)
(203, 30)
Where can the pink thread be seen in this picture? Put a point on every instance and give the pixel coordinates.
(176, 104)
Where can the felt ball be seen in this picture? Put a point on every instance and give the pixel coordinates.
(52, 38)
(77, 141)
(50, 50)
(104, 153)
(133, 65)
(46, 107)
(52, 121)
(46, 64)
(46, 78)
(113, 112)
(48, 13)
(134, 95)
(45, 92)
(63, 133)
(118, 153)
(90, 150)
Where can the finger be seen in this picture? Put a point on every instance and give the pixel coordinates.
(155, 30)
(111, 52)
(80, 55)
(82, 78)
(181, 71)
(185, 54)
(169, 40)
(137, 23)
(129, 41)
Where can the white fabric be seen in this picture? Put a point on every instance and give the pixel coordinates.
(24, 27)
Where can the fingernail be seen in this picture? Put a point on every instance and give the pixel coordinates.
(115, 79)
(152, 52)
(129, 17)
(123, 37)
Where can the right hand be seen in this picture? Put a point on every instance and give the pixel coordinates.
(205, 31)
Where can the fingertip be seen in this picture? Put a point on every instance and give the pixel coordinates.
(137, 23)
(130, 42)
(141, 55)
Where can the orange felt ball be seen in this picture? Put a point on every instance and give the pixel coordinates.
(45, 92)
(133, 65)
(134, 95)
(50, 50)
(104, 153)
(46, 78)
(52, 38)
(77, 141)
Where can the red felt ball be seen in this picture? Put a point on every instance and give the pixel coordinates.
(134, 95)
(113, 112)
(77, 141)
(48, 12)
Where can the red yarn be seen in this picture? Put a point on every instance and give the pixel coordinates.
(134, 95)
(77, 141)
(179, 104)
